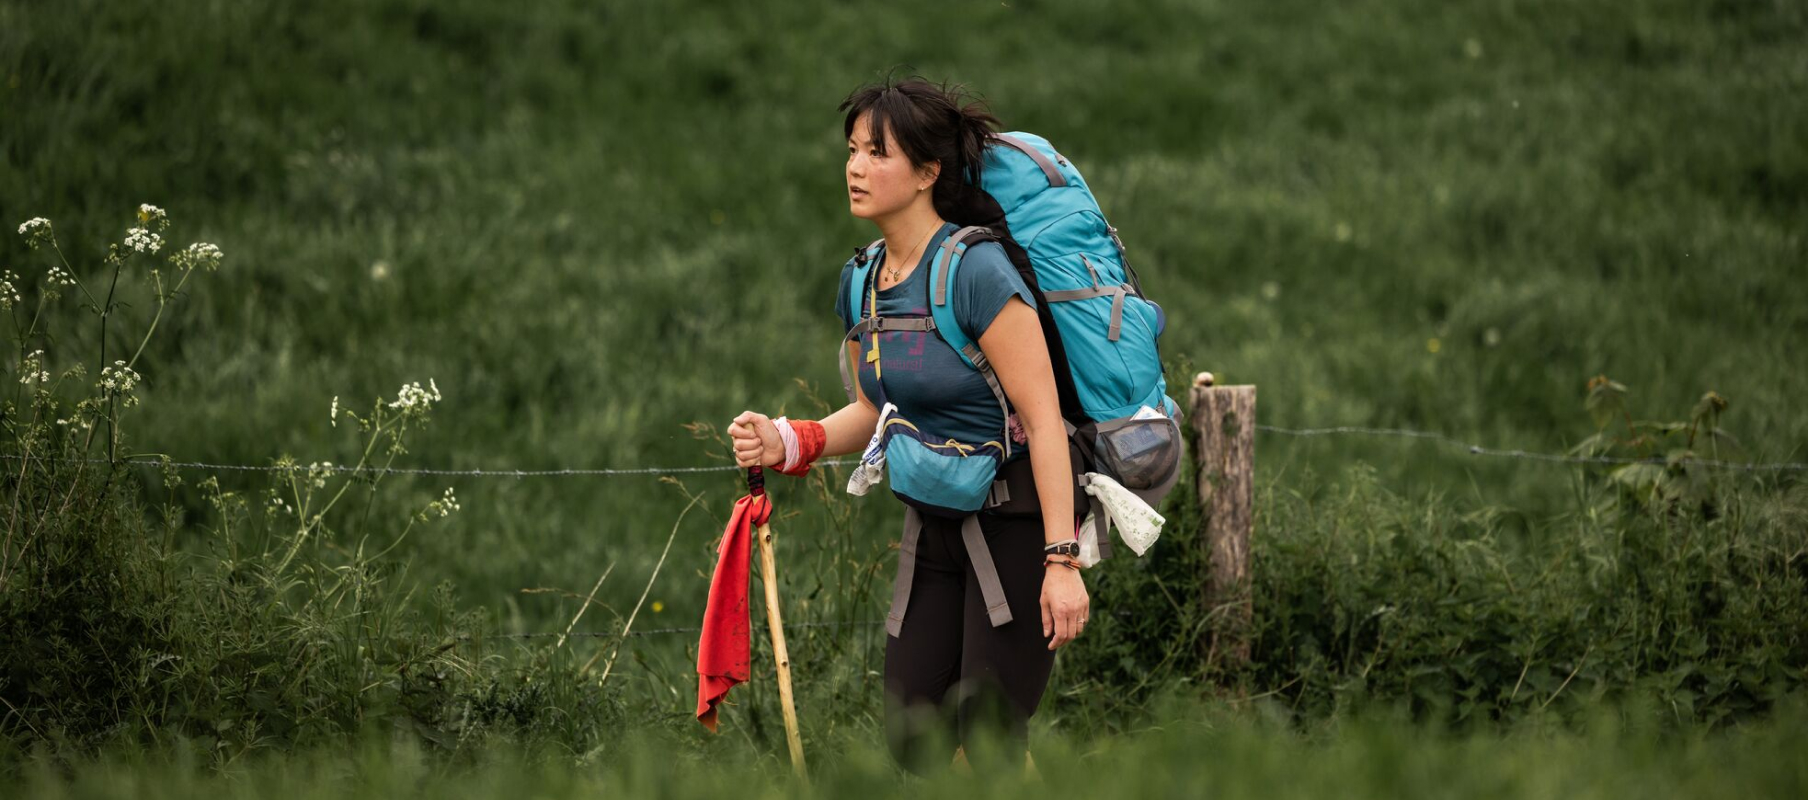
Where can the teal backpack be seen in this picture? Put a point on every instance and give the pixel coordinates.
(1101, 330)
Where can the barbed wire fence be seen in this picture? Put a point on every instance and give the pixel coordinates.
(1473, 449)
(1563, 458)
(656, 631)
(158, 462)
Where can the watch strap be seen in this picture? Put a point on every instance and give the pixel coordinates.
(1070, 548)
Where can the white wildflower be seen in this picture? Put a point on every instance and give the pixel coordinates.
(141, 240)
(148, 213)
(199, 254)
(60, 277)
(36, 231)
(443, 506)
(334, 416)
(9, 292)
(119, 379)
(318, 472)
(31, 368)
(448, 504)
(412, 395)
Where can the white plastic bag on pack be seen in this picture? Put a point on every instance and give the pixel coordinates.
(871, 468)
(1137, 523)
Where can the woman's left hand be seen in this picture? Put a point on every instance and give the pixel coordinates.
(1064, 604)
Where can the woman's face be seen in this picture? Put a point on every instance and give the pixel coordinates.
(881, 185)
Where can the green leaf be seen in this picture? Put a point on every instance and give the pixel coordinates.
(1606, 398)
(1592, 446)
(1638, 477)
(1708, 409)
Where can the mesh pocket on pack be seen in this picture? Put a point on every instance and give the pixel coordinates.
(1139, 452)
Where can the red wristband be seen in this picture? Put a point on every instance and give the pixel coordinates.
(810, 440)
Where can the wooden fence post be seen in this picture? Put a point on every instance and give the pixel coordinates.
(1224, 426)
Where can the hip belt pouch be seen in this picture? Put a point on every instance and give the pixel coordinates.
(939, 476)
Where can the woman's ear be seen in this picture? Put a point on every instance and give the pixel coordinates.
(930, 172)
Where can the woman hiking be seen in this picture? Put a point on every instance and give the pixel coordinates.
(914, 155)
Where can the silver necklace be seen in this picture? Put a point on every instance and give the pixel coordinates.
(892, 269)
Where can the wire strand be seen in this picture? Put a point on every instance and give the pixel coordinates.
(1476, 449)
(654, 631)
(484, 473)
(1473, 449)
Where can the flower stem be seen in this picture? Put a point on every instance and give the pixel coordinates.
(71, 271)
(161, 302)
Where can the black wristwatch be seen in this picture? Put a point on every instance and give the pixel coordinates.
(1062, 549)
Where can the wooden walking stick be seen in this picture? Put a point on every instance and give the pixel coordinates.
(756, 486)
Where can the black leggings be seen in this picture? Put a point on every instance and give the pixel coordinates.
(949, 673)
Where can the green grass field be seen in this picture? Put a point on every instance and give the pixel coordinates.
(592, 225)
(1203, 752)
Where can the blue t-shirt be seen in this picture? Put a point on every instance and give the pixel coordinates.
(924, 377)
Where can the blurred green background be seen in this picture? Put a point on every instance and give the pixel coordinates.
(592, 224)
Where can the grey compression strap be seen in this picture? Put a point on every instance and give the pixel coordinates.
(1090, 270)
(1048, 167)
(907, 568)
(998, 609)
(990, 589)
(1117, 297)
(1117, 301)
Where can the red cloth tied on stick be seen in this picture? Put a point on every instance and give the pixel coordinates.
(726, 647)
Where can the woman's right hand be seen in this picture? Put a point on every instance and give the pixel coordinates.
(756, 441)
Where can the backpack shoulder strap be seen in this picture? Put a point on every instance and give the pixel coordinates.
(858, 272)
(864, 260)
(941, 310)
(941, 276)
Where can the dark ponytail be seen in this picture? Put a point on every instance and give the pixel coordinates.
(934, 123)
